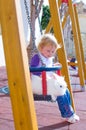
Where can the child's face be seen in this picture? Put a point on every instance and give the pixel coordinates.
(48, 51)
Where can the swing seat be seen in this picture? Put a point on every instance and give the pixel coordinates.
(44, 96)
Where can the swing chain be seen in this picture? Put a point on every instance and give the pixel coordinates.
(34, 48)
(29, 22)
(37, 12)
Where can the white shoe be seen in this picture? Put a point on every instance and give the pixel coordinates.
(73, 119)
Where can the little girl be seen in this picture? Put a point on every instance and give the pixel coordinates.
(47, 48)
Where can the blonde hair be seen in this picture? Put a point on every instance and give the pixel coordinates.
(47, 40)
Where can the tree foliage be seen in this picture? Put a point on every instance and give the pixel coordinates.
(45, 16)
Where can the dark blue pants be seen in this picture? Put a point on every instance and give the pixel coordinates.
(64, 103)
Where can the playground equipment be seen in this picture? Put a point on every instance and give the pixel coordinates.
(17, 62)
(44, 95)
(63, 59)
(17, 66)
(34, 50)
(72, 12)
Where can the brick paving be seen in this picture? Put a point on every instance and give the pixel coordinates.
(48, 115)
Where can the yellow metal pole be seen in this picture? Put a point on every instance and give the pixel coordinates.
(77, 46)
(80, 42)
(59, 36)
(17, 66)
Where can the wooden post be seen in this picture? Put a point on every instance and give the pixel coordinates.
(0, 29)
(80, 42)
(76, 42)
(49, 26)
(54, 9)
(0, 25)
(65, 19)
(17, 65)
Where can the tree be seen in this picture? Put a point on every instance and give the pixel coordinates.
(35, 10)
(45, 16)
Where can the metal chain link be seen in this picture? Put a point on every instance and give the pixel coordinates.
(36, 7)
(29, 22)
(34, 48)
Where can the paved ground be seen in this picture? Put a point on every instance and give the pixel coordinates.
(48, 115)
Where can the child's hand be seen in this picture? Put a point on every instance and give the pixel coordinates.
(57, 64)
